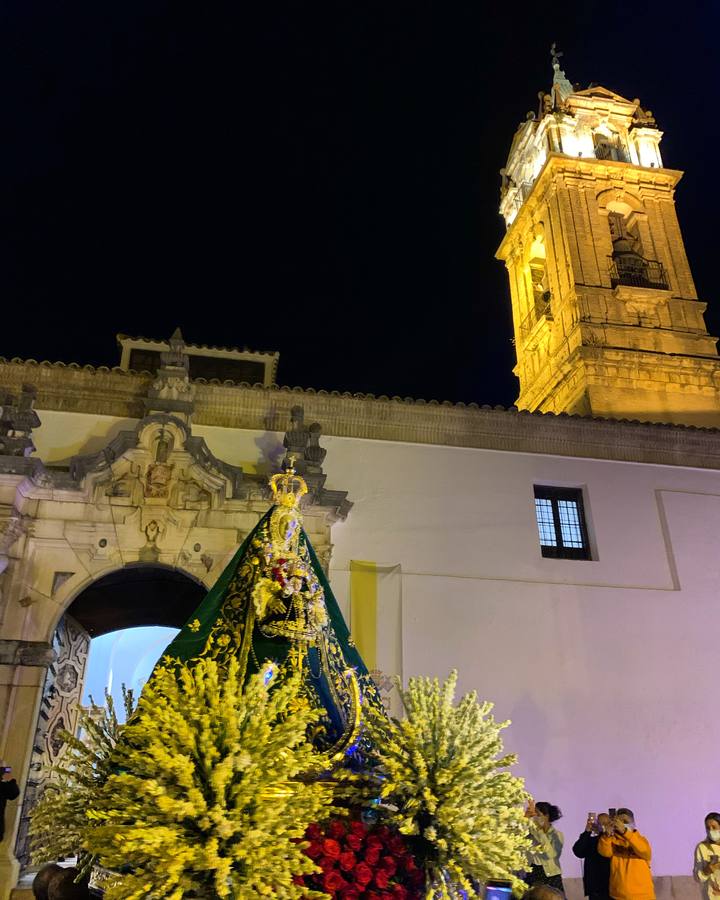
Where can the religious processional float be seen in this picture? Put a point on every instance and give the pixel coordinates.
(260, 761)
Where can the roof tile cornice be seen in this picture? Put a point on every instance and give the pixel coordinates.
(114, 392)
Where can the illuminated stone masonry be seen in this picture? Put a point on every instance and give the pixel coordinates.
(606, 317)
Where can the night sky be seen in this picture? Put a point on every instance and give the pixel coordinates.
(315, 178)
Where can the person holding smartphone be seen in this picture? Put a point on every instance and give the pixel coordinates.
(629, 853)
(9, 790)
(547, 844)
(707, 858)
(596, 868)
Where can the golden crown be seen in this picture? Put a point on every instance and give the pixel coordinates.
(288, 487)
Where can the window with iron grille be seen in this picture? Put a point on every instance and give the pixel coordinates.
(561, 522)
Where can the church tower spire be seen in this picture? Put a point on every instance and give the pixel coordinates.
(562, 88)
(606, 317)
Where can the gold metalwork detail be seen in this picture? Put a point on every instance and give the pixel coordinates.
(288, 487)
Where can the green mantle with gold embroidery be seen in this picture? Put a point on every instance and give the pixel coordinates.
(274, 603)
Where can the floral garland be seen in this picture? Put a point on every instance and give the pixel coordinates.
(362, 862)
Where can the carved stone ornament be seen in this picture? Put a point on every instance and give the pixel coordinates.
(17, 421)
(157, 480)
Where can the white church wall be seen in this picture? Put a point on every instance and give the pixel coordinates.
(62, 435)
(605, 667)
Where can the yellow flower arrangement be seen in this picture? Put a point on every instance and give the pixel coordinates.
(208, 800)
(59, 823)
(443, 769)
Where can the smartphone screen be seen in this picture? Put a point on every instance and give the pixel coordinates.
(498, 890)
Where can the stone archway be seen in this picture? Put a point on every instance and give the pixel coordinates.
(134, 595)
(137, 594)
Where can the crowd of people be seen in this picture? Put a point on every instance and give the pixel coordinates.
(616, 856)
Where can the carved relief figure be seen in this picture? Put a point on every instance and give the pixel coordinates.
(150, 553)
(159, 473)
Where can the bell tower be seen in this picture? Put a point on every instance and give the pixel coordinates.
(606, 317)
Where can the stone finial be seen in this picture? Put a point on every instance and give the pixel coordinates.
(17, 421)
(314, 453)
(172, 392)
(562, 88)
(305, 456)
(175, 357)
(643, 118)
(303, 443)
(297, 435)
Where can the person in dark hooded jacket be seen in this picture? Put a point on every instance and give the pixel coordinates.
(596, 868)
(9, 790)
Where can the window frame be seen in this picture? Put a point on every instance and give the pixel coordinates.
(554, 494)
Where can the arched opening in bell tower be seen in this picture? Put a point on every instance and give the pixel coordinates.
(537, 286)
(609, 144)
(629, 264)
(538, 274)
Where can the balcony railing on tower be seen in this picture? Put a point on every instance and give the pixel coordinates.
(636, 271)
(541, 310)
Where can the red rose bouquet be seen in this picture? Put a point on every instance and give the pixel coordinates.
(361, 862)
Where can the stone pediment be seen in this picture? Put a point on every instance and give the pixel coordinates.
(160, 461)
(599, 92)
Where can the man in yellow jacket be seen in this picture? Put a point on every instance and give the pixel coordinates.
(629, 853)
